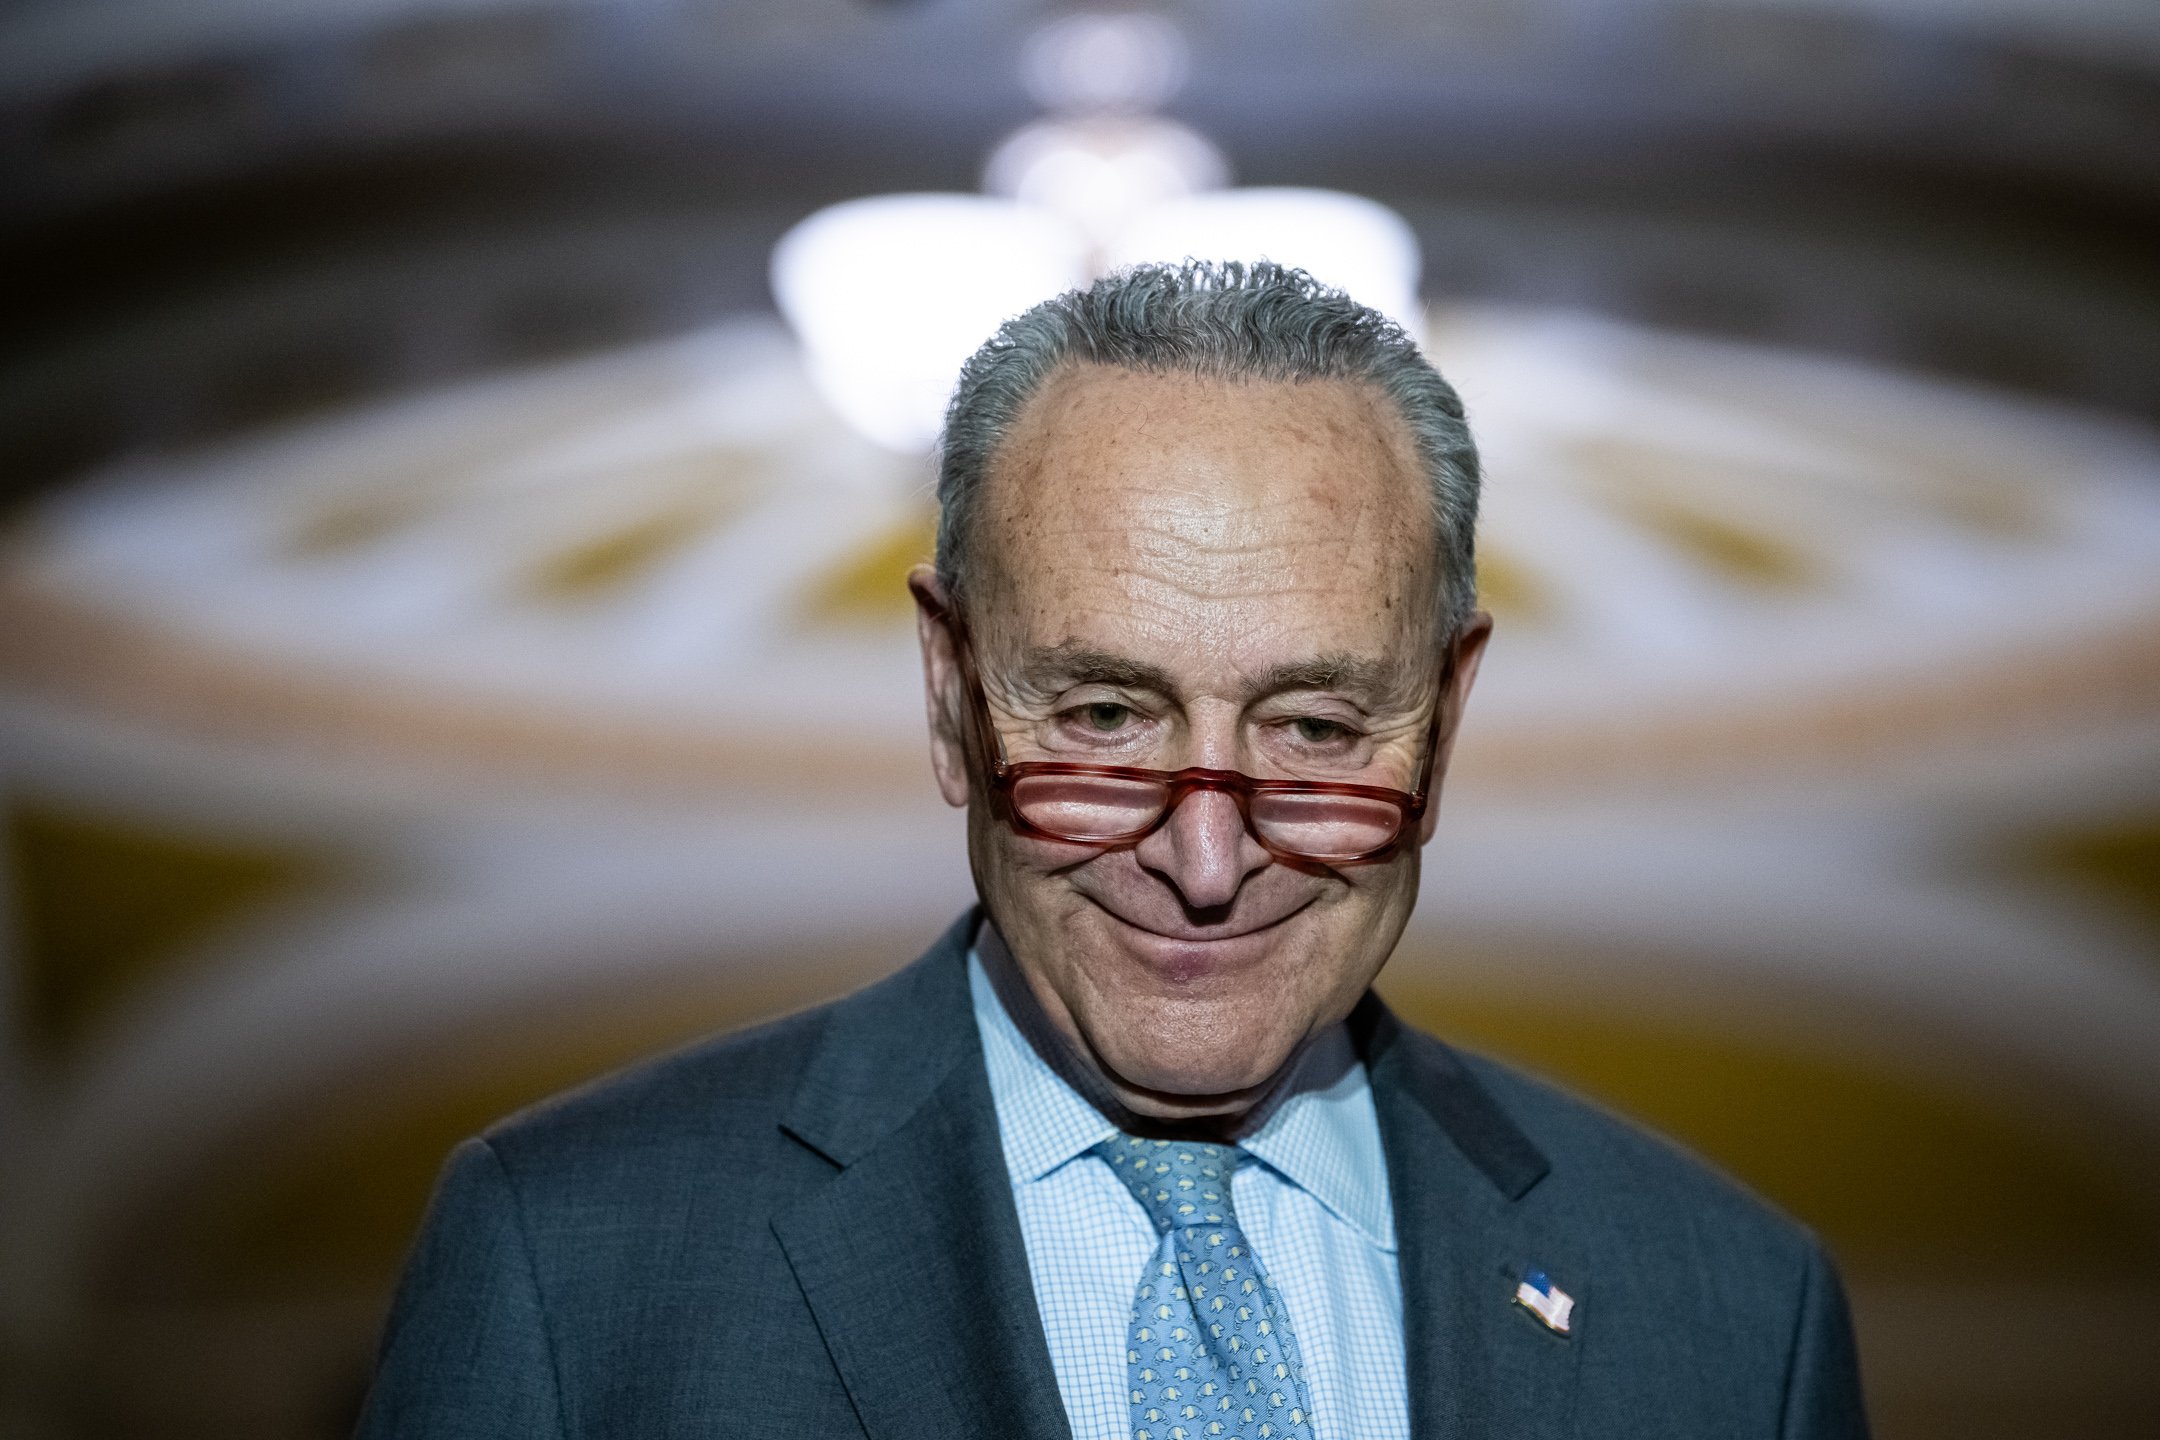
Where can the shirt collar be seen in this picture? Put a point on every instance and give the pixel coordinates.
(1043, 1121)
(1321, 1135)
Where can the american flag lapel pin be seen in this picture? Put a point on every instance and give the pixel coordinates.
(1552, 1305)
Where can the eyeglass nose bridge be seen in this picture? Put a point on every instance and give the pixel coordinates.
(1182, 785)
(1178, 787)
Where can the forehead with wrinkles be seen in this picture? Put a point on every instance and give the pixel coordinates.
(1126, 506)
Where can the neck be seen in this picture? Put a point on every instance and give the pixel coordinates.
(1136, 1111)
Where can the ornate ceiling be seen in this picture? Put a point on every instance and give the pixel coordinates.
(224, 214)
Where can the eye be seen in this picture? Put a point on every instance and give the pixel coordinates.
(1315, 731)
(1106, 715)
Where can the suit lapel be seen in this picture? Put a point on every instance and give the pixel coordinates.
(1459, 1173)
(911, 1259)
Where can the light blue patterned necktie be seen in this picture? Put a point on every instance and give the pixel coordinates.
(1210, 1353)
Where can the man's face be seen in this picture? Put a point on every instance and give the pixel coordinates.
(1174, 571)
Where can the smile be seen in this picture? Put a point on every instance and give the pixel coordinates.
(1193, 956)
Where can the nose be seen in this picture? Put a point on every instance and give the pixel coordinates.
(1203, 850)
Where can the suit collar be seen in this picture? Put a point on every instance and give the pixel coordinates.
(1463, 1177)
(885, 1050)
(910, 1257)
(1428, 1073)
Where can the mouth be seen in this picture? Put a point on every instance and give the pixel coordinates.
(1196, 952)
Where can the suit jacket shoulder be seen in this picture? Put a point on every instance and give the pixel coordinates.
(1697, 1308)
(1626, 1169)
(612, 1261)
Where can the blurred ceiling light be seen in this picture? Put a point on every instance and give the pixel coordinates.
(1104, 63)
(1347, 241)
(1099, 173)
(891, 294)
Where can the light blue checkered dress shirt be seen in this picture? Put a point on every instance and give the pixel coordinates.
(1316, 1210)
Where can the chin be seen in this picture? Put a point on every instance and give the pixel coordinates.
(1194, 1050)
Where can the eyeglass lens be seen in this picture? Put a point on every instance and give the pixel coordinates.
(1101, 808)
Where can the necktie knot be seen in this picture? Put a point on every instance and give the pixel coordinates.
(1178, 1183)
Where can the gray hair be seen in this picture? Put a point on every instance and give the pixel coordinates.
(1260, 321)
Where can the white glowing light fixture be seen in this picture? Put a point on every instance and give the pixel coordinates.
(1347, 241)
(1101, 172)
(891, 294)
(1116, 62)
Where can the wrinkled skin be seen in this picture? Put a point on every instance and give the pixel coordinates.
(1175, 571)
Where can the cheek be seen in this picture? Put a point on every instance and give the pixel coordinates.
(1025, 868)
(1377, 882)
(1355, 929)
(1035, 855)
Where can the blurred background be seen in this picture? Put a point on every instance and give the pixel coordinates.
(453, 639)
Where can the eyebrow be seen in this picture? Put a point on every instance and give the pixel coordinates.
(1338, 670)
(1074, 664)
(1085, 665)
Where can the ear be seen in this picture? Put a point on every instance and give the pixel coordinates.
(1469, 645)
(941, 685)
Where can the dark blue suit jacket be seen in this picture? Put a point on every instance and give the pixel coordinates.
(806, 1230)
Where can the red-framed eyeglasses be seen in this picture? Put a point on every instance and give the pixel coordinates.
(1310, 821)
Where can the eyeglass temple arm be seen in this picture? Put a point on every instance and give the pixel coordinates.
(977, 702)
(1433, 731)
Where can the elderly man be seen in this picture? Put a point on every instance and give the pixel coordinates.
(1133, 1153)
